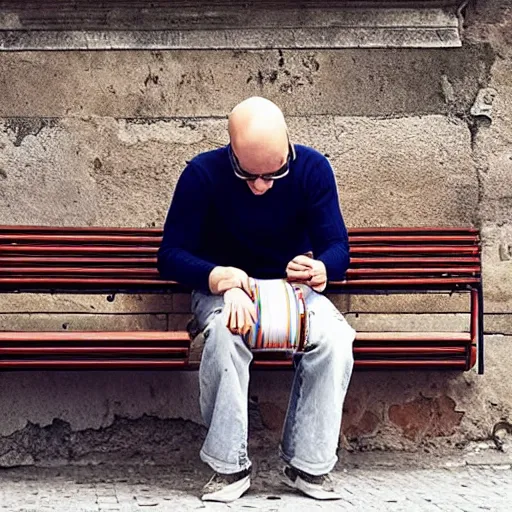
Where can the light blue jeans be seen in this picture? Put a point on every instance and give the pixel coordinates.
(322, 374)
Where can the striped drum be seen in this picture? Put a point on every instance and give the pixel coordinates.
(282, 322)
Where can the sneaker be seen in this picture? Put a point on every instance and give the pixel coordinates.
(317, 487)
(226, 488)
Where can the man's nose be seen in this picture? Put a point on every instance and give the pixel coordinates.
(262, 185)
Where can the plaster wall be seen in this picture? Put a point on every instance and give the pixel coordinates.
(99, 138)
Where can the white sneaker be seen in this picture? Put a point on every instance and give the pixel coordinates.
(226, 488)
(317, 487)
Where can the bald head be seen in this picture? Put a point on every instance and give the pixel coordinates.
(258, 135)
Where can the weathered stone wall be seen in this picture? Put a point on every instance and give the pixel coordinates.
(99, 138)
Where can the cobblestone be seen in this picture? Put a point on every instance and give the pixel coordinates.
(446, 487)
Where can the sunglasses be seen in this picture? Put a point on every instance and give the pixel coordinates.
(247, 176)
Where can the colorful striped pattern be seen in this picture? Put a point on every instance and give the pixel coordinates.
(281, 316)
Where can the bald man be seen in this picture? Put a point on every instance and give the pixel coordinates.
(262, 207)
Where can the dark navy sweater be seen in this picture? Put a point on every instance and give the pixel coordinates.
(215, 219)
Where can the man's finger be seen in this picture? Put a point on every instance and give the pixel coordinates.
(229, 314)
(303, 260)
(317, 269)
(252, 312)
(233, 323)
(240, 318)
(244, 329)
(246, 286)
(318, 278)
(300, 275)
(247, 323)
(232, 320)
(296, 266)
(226, 284)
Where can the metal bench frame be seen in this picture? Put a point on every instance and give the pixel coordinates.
(102, 260)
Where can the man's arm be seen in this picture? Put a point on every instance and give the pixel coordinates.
(325, 224)
(181, 240)
(183, 230)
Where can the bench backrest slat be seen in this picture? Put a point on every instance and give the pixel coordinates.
(44, 257)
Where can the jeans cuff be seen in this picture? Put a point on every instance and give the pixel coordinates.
(311, 468)
(222, 467)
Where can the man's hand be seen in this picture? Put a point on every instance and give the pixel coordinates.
(239, 310)
(303, 269)
(222, 279)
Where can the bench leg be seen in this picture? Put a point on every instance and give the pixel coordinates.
(480, 329)
(477, 329)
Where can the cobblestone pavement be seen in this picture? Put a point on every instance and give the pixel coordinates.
(451, 487)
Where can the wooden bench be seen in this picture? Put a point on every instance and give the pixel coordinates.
(98, 260)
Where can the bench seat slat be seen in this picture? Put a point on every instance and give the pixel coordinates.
(144, 364)
(35, 350)
(182, 336)
(94, 364)
(95, 336)
(163, 351)
(93, 350)
(414, 336)
(410, 350)
(408, 363)
(378, 364)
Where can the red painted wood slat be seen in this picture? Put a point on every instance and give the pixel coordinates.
(91, 336)
(157, 283)
(153, 272)
(377, 364)
(94, 364)
(109, 239)
(93, 350)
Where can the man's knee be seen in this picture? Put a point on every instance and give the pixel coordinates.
(220, 342)
(338, 341)
(217, 336)
(332, 335)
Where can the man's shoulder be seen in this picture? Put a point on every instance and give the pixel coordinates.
(311, 163)
(209, 160)
(309, 158)
(303, 151)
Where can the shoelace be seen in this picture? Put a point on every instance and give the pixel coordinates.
(217, 481)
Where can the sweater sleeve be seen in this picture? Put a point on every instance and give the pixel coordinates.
(177, 255)
(326, 227)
